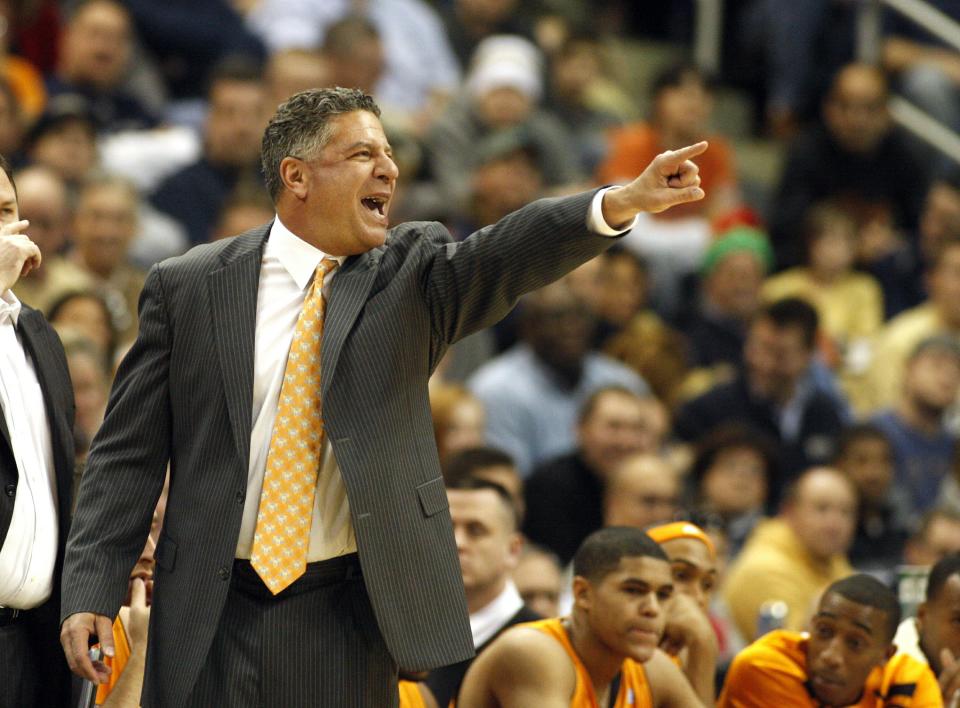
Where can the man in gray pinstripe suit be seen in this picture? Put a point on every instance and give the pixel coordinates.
(199, 391)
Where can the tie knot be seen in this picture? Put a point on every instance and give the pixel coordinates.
(326, 265)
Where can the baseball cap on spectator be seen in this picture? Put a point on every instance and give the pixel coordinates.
(506, 61)
(737, 239)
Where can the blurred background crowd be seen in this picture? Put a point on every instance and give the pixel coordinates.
(804, 316)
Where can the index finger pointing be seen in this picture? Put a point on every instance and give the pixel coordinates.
(671, 160)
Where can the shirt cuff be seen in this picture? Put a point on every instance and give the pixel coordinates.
(595, 220)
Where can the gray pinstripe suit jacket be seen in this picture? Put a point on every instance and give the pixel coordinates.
(184, 394)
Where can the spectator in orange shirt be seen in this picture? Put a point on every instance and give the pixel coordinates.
(682, 98)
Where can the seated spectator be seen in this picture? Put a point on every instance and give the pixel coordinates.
(731, 276)
(846, 659)
(502, 91)
(538, 580)
(64, 139)
(458, 420)
(187, 39)
(564, 496)
(293, 70)
(85, 313)
(730, 477)
(485, 525)
(91, 374)
(940, 314)
(105, 224)
(643, 490)
(13, 122)
(469, 22)
(773, 393)
(44, 202)
(506, 176)
(247, 207)
(915, 426)
(587, 102)
(937, 536)
(420, 71)
(195, 195)
(901, 272)
(849, 304)
(354, 53)
(489, 465)
(848, 155)
(95, 52)
(933, 636)
(792, 557)
(865, 454)
(631, 331)
(682, 98)
(693, 564)
(621, 586)
(532, 392)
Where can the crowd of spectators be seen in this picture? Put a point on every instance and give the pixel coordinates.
(779, 363)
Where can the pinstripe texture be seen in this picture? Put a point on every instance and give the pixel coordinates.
(391, 314)
(318, 649)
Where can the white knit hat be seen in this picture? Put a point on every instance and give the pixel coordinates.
(506, 61)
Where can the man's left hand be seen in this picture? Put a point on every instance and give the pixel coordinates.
(672, 178)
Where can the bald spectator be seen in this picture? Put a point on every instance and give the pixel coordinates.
(105, 224)
(237, 115)
(644, 490)
(95, 53)
(792, 557)
(923, 447)
(44, 203)
(565, 495)
(940, 314)
(937, 536)
(533, 392)
(773, 393)
(850, 154)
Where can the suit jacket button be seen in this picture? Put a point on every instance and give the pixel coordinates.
(240, 497)
(223, 573)
(10, 490)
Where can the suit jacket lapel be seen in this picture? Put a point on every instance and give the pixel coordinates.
(233, 302)
(54, 380)
(348, 294)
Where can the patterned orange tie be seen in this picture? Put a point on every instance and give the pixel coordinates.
(282, 535)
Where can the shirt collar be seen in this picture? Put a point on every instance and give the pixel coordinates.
(487, 621)
(9, 307)
(298, 257)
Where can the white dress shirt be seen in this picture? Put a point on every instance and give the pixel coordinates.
(285, 272)
(30, 548)
(487, 621)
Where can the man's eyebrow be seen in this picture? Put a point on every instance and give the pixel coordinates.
(367, 144)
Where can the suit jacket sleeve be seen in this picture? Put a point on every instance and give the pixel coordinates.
(125, 470)
(473, 284)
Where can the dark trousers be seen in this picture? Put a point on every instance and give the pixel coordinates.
(315, 644)
(33, 670)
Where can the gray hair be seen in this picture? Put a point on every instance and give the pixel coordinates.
(301, 128)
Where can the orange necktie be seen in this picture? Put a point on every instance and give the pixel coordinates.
(282, 535)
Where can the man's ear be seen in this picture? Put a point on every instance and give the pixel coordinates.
(582, 593)
(293, 174)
